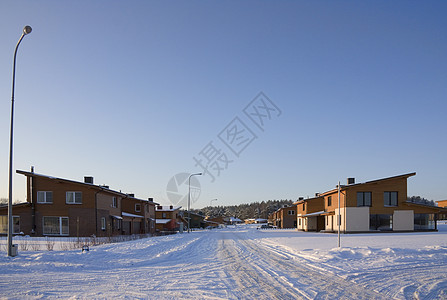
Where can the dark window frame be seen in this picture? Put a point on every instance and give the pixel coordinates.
(388, 199)
(363, 200)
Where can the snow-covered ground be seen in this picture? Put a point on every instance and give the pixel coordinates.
(238, 263)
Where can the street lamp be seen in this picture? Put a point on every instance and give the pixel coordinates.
(211, 202)
(189, 198)
(26, 30)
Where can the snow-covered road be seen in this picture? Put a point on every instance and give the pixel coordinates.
(234, 263)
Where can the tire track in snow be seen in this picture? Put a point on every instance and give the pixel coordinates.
(254, 271)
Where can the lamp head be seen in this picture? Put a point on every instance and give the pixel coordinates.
(27, 29)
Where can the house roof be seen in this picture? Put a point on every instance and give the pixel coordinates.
(318, 213)
(344, 187)
(124, 214)
(434, 208)
(94, 186)
(15, 204)
(306, 200)
(163, 221)
(167, 208)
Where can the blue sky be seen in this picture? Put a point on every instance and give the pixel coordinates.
(130, 91)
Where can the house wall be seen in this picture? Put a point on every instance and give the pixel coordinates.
(353, 219)
(377, 189)
(311, 224)
(329, 222)
(300, 223)
(21, 211)
(81, 217)
(288, 217)
(403, 220)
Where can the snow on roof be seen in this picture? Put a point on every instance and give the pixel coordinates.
(315, 214)
(124, 214)
(162, 221)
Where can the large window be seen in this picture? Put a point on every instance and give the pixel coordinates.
(291, 212)
(73, 198)
(381, 222)
(44, 197)
(364, 198)
(114, 202)
(137, 207)
(4, 224)
(424, 221)
(329, 201)
(55, 225)
(390, 198)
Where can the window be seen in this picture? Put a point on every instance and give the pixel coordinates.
(304, 206)
(4, 224)
(329, 201)
(103, 223)
(137, 207)
(291, 212)
(424, 221)
(364, 198)
(44, 197)
(381, 222)
(73, 198)
(55, 225)
(114, 202)
(163, 215)
(390, 198)
(116, 224)
(299, 221)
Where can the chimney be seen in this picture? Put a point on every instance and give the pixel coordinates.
(88, 179)
(150, 199)
(171, 207)
(301, 198)
(159, 207)
(351, 180)
(131, 195)
(317, 194)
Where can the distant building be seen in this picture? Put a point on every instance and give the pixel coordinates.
(168, 218)
(310, 214)
(284, 217)
(443, 213)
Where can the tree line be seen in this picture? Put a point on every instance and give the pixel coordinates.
(255, 210)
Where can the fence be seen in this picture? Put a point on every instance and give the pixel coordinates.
(27, 243)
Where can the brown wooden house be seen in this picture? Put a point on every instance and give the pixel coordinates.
(377, 205)
(310, 214)
(62, 207)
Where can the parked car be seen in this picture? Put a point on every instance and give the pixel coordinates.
(266, 226)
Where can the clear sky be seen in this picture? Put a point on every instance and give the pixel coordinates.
(130, 92)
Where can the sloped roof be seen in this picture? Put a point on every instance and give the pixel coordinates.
(344, 187)
(124, 214)
(94, 186)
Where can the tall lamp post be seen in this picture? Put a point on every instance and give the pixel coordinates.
(189, 197)
(26, 30)
(211, 202)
